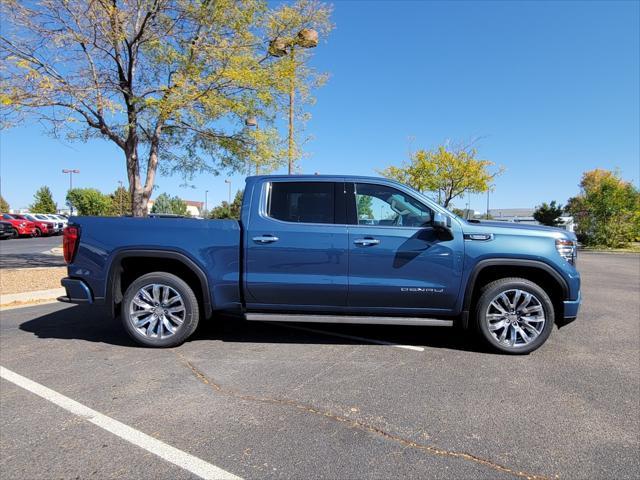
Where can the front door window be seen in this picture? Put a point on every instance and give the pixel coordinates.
(387, 207)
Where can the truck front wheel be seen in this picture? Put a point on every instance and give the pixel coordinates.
(514, 315)
(160, 310)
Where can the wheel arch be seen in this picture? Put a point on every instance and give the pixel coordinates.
(141, 261)
(539, 272)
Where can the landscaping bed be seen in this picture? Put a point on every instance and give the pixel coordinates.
(19, 280)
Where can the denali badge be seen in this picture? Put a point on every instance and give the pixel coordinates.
(425, 290)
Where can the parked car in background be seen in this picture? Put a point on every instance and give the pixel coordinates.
(20, 228)
(63, 221)
(58, 225)
(6, 230)
(42, 227)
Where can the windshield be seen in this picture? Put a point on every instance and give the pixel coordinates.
(426, 199)
(7, 216)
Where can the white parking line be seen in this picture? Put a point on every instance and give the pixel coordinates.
(351, 337)
(171, 454)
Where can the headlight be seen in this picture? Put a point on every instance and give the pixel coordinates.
(23, 224)
(568, 249)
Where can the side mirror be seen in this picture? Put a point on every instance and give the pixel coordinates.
(440, 220)
(441, 224)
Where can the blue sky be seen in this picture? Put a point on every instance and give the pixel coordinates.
(552, 89)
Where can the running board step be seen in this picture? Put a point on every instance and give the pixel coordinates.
(348, 319)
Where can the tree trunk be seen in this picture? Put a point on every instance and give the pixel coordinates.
(152, 165)
(139, 203)
(136, 191)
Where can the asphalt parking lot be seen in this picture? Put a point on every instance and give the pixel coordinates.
(260, 400)
(30, 252)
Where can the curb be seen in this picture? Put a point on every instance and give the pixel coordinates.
(12, 300)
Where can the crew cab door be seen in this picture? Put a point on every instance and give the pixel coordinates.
(397, 260)
(296, 246)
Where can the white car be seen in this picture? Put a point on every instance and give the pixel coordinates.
(60, 222)
(64, 220)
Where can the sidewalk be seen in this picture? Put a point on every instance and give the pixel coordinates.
(13, 300)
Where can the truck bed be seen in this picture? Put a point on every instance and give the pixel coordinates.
(212, 245)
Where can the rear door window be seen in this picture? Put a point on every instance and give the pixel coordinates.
(302, 202)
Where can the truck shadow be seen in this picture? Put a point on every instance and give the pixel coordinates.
(31, 260)
(93, 325)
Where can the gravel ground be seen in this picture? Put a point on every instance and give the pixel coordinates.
(20, 280)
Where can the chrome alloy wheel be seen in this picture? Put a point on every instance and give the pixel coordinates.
(157, 311)
(515, 318)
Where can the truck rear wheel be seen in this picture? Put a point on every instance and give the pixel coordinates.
(514, 315)
(160, 310)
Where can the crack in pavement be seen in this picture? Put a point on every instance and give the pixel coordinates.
(358, 425)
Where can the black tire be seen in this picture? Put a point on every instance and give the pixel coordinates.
(14, 233)
(37, 233)
(190, 317)
(540, 301)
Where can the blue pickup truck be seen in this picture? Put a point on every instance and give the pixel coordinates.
(333, 249)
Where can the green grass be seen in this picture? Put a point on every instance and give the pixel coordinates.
(633, 247)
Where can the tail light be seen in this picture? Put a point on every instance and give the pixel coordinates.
(71, 236)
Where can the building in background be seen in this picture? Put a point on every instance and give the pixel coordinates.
(525, 215)
(194, 208)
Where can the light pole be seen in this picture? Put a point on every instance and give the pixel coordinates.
(306, 38)
(229, 182)
(70, 172)
(488, 190)
(120, 196)
(206, 209)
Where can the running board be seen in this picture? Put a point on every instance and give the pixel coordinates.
(348, 319)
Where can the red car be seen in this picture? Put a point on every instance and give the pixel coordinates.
(42, 227)
(20, 227)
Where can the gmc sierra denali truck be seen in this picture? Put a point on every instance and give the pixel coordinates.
(333, 249)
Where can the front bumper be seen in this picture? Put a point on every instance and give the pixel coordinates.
(77, 291)
(26, 230)
(571, 307)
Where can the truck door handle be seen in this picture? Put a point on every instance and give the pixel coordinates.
(366, 242)
(265, 239)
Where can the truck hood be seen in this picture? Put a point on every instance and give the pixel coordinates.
(510, 227)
